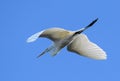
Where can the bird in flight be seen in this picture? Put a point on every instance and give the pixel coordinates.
(75, 41)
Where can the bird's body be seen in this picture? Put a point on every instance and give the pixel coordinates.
(74, 40)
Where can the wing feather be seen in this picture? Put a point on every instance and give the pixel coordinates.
(34, 37)
(53, 34)
(82, 46)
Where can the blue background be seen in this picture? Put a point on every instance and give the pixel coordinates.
(19, 19)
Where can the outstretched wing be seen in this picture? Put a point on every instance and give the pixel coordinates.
(53, 34)
(82, 46)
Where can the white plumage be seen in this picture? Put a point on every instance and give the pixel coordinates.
(82, 46)
(34, 37)
(74, 40)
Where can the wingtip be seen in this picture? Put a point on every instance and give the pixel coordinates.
(31, 39)
(34, 37)
(104, 57)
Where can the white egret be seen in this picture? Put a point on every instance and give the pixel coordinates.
(74, 40)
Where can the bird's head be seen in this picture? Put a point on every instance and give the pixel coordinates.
(83, 29)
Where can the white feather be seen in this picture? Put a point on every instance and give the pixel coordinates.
(82, 46)
(34, 37)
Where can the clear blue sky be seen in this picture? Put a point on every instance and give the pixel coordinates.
(21, 18)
